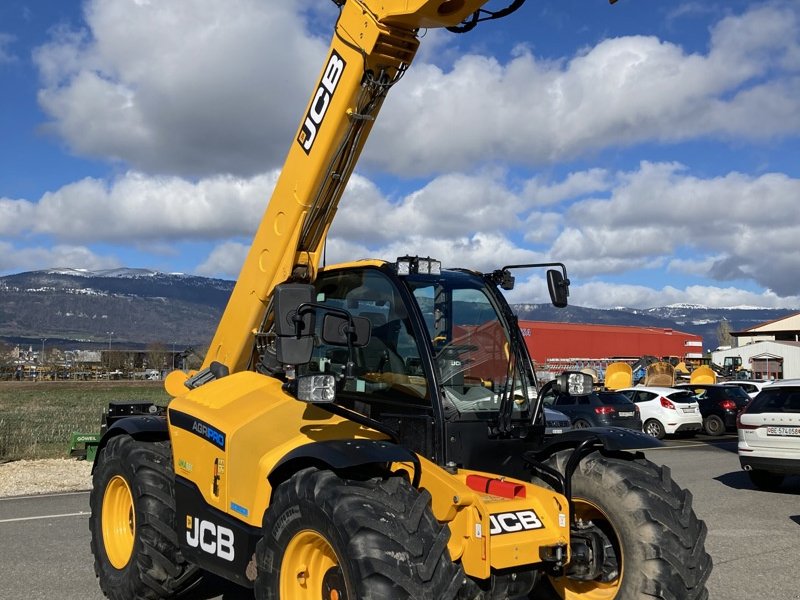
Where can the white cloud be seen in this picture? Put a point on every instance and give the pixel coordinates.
(608, 295)
(136, 208)
(192, 87)
(30, 258)
(199, 88)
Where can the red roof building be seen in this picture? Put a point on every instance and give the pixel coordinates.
(548, 342)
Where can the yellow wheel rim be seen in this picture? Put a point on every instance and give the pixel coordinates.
(570, 589)
(118, 522)
(310, 569)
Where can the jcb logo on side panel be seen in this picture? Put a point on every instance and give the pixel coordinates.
(512, 522)
(321, 101)
(210, 538)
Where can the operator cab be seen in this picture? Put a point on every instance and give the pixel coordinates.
(444, 360)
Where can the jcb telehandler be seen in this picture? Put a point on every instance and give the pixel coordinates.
(373, 430)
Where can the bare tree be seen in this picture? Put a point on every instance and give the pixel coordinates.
(724, 337)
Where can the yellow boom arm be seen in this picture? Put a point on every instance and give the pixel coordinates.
(373, 43)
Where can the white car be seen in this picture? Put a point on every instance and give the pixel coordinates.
(665, 410)
(769, 434)
(751, 386)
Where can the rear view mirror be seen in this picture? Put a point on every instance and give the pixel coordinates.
(294, 326)
(558, 288)
(337, 331)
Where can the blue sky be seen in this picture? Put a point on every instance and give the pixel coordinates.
(651, 145)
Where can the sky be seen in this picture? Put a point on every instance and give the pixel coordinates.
(652, 146)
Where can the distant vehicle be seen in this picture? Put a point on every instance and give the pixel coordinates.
(666, 410)
(719, 404)
(556, 422)
(769, 434)
(598, 409)
(751, 386)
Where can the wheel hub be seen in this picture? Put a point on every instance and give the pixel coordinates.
(118, 522)
(311, 569)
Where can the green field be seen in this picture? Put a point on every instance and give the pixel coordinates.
(37, 419)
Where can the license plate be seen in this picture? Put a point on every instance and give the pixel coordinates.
(689, 410)
(558, 431)
(784, 431)
(625, 414)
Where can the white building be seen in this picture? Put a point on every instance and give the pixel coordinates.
(766, 360)
(770, 350)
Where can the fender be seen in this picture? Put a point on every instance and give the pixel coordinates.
(618, 441)
(140, 427)
(342, 454)
(612, 439)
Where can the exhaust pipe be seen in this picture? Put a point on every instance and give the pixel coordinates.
(747, 468)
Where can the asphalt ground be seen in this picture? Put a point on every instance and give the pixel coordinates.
(754, 536)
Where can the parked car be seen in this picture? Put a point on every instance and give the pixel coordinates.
(555, 422)
(769, 434)
(665, 410)
(719, 404)
(751, 386)
(597, 409)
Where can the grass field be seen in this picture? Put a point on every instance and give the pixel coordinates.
(37, 419)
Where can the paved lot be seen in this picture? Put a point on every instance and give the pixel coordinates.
(754, 536)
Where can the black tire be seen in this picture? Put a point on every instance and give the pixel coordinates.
(658, 542)
(654, 428)
(581, 424)
(379, 539)
(713, 425)
(764, 480)
(155, 567)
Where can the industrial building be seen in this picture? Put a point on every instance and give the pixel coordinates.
(557, 347)
(770, 350)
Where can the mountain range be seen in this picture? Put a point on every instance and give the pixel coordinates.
(134, 308)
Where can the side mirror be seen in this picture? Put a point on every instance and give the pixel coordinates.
(558, 288)
(294, 329)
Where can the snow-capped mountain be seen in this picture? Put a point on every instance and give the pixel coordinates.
(136, 307)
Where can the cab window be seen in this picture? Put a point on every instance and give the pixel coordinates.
(389, 366)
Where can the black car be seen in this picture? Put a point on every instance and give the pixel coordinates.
(719, 405)
(597, 409)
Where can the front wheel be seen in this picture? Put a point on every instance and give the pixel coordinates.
(331, 538)
(653, 541)
(135, 547)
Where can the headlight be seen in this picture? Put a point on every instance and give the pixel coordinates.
(316, 388)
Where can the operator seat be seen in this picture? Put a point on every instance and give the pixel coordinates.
(380, 354)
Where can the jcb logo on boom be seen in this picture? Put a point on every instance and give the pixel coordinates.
(321, 101)
(210, 538)
(511, 522)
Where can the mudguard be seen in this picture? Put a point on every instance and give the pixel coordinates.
(342, 454)
(612, 439)
(140, 427)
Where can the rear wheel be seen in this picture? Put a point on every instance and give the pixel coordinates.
(654, 542)
(655, 428)
(331, 538)
(764, 480)
(581, 424)
(135, 547)
(714, 425)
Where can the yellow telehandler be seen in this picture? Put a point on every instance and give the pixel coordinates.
(372, 430)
